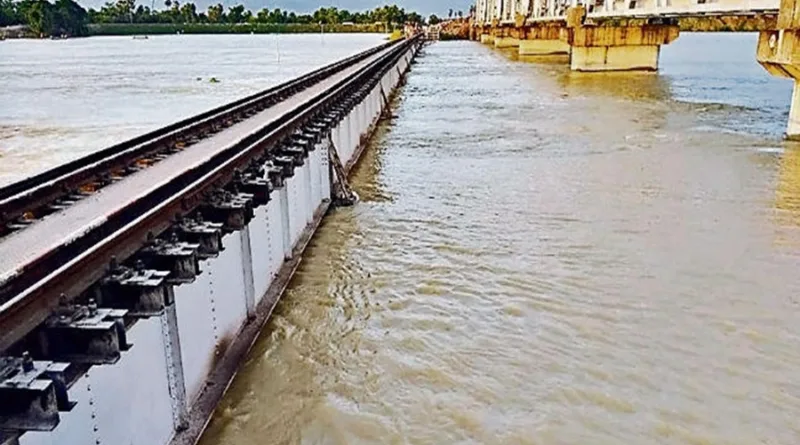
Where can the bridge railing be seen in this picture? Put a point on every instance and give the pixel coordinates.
(666, 8)
(507, 11)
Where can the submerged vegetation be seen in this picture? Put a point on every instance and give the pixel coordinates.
(124, 17)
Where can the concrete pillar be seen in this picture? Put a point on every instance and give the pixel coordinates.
(779, 53)
(544, 40)
(506, 42)
(543, 47)
(615, 48)
(615, 58)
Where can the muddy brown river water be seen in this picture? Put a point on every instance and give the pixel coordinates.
(545, 257)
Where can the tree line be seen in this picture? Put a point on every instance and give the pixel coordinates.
(67, 17)
(45, 18)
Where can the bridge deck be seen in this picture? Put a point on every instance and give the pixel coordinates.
(24, 247)
(538, 11)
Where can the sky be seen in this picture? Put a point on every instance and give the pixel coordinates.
(424, 7)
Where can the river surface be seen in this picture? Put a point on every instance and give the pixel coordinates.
(539, 256)
(60, 100)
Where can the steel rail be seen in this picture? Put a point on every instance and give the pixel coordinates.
(32, 195)
(85, 261)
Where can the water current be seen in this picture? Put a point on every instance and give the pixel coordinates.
(539, 256)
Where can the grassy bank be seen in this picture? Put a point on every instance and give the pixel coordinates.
(124, 29)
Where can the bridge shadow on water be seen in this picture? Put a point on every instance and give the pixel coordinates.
(624, 85)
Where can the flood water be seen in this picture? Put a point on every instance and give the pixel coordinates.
(545, 257)
(60, 100)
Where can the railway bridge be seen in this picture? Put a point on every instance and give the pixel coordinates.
(621, 35)
(134, 281)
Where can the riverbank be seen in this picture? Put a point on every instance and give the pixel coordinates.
(125, 29)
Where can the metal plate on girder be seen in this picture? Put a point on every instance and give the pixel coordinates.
(132, 401)
(195, 313)
(260, 239)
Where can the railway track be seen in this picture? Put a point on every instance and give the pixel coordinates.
(107, 239)
(24, 202)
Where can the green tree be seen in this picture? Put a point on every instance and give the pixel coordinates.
(8, 13)
(70, 18)
(344, 16)
(236, 14)
(65, 16)
(433, 20)
(125, 10)
(38, 15)
(216, 13)
(188, 13)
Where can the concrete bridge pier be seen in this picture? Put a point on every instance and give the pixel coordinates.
(544, 40)
(778, 51)
(507, 41)
(623, 46)
(510, 36)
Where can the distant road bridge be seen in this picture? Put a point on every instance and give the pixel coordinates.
(614, 35)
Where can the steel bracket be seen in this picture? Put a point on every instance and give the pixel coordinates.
(294, 151)
(234, 211)
(306, 138)
(84, 334)
(206, 235)
(260, 188)
(286, 163)
(143, 292)
(275, 175)
(180, 258)
(33, 392)
(318, 130)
